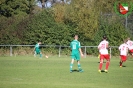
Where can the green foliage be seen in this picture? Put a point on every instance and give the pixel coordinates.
(82, 14)
(115, 33)
(23, 23)
(10, 8)
(43, 28)
(9, 33)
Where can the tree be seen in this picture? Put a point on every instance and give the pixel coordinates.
(83, 15)
(10, 8)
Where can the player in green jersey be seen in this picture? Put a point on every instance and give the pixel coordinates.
(37, 49)
(75, 53)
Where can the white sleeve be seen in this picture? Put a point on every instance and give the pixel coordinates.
(99, 45)
(119, 47)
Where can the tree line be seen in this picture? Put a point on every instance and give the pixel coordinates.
(22, 22)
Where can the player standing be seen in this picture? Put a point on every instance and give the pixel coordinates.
(123, 48)
(37, 49)
(130, 46)
(75, 53)
(103, 50)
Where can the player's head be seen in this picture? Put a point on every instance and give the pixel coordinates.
(39, 43)
(104, 37)
(76, 37)
(128, 38)
(125, 41)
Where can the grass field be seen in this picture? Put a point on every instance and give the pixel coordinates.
(30, 72)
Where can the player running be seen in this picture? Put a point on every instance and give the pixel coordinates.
(37, 50)
(103, 50)
(123, 48)
(130, 46)
(75, 53)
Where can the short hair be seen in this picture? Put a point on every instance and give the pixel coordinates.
(39, 42)
(125, 40)
(104, 37)
(128, 38)
(75, 35)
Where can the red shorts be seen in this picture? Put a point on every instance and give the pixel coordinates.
(131, 51)
(104, 56)
(123, 58)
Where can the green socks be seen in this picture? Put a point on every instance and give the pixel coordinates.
(71, 65)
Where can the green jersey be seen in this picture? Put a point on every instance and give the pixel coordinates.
(37, 49)
(75, 45)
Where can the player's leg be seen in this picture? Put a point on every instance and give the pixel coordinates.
(71, 64)
(107, 57)
(131, 51)
(123, 59)
(101, 62)
(40, 54)
(72, 61)
(79, 66)
(78, 61)
(35, 53)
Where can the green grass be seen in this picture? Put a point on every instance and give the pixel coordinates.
(30, 72)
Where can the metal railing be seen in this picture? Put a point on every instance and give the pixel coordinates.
(59, 47)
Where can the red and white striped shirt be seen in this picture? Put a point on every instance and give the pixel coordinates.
(123, 49)
(103, 47)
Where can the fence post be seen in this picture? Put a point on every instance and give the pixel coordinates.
(10, 50)
(110, 51)
(59, 50)
(85, 52)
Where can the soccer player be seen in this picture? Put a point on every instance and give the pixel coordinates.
(103, 50)
(37, 49)
(123, 48)
(130, 46)
(75, 53)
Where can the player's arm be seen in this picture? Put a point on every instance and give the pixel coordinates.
(127, 49)
(81, 53)
(70, 46)
(119, 48)
(99, 46)
(107, 45)
(34, 48)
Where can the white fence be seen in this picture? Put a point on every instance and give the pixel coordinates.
(59, 47)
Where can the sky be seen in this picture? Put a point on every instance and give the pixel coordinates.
(48, 4)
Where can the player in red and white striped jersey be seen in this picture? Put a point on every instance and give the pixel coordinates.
(130, 45)
(103, 50)
(123, 48)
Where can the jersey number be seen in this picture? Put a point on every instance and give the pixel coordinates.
(74, 46)
(103, 46)
(123, 48)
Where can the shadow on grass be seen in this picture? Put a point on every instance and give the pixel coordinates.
(123, 66)
(102, 71)
(75, 70)
(103, 62)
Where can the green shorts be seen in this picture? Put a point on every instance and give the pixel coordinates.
(37, 51)
(75, 56)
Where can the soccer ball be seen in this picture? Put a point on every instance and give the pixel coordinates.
(46, 56)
